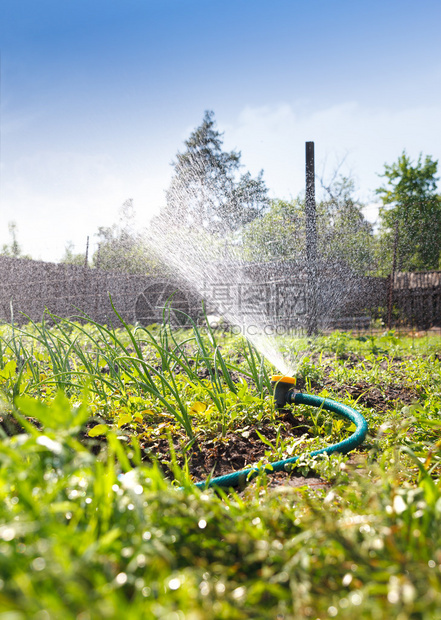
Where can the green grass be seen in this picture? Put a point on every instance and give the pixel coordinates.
(90, 529)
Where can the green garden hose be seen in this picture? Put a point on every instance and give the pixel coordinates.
(284, 393)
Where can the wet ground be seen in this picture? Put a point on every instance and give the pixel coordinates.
(238, 450)
(244, 448)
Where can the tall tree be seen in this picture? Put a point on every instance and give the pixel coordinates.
(278, 235)
(344, 232)
(207, 191)
(410, 199)
(13, 248)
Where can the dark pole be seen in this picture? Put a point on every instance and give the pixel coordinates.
(86, 257)
(392, 278)
(311, 241)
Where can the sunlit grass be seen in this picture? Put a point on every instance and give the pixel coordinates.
(88, 529)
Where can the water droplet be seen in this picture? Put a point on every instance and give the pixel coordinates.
(121, 579)
(399, 504)
(220, 588)
(174, 583)
(38, 564)
(239, 593)
(50, 444)
(7, 533)
(141, 560)
(347, 579)
(204, 587)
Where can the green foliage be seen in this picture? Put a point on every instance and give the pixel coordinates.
(142, 376)
(206, 191)
(72, 258)
(344, 235)
(410, 199)
(122, 248)
(278, 234)
(97, 533)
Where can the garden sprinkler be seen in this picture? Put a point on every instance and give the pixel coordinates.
(285, 394)
(284, 387)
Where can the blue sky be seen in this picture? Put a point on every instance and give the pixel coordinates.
(97, 96)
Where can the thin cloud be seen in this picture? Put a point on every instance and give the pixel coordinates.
(273, 137)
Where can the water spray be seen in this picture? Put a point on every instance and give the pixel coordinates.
(202, 263)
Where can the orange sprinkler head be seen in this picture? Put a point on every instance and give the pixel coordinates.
(283, 389)
(284, 379)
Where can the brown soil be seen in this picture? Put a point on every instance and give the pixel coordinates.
(238, 450)
(219, 456)
(242, 448)
(380, 397)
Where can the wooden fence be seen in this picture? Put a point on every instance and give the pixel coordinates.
(277, 291)
(417, 299)
(28, 288)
